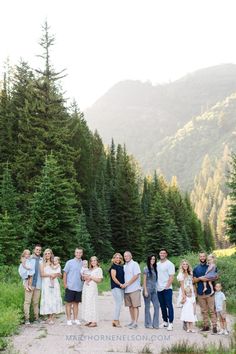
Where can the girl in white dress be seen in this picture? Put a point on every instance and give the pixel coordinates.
(187, 313)
(90, 293)
(51, 302)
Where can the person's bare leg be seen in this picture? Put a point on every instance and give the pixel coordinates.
(68, 311)
(204, 286)
(136, 314)
(131, 311)
(75, 310)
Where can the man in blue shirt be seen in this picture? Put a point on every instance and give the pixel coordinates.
(73, 286)
(205, 300)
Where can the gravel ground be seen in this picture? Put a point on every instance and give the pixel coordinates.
(62, 339)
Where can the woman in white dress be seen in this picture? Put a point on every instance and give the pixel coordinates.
(51, 302)
(90, 293)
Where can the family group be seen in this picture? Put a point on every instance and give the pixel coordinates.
(41, 276)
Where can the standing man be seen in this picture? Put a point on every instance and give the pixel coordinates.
(165, 271)
(34, 295)
(132, 288)
(73, 286)
(205, 299)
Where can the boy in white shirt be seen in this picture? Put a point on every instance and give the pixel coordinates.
(220, 306)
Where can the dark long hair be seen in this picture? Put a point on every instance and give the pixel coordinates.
(154, 265)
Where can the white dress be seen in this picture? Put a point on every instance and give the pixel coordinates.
(187, 313)
(51, 302)
(90, 298)
(188, 283)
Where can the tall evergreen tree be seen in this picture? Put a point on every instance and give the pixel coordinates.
(231, 217)
(11, 231)
(84, 238)
(54, 217)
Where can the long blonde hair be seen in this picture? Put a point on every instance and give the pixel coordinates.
(51, 257)
(117, 254)
(90, 265)
(189, 270)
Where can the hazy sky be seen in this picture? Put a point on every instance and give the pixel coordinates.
(101, 42)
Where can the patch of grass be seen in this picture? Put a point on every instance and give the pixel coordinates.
(128, 349)
(3, 344)
(10, 320)
(146, 350)
(187, 348)
(199, 324)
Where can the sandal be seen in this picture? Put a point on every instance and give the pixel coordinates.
(87, 324)
(92, 325)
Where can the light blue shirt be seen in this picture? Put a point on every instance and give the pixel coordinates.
(132, 268)
(73, 274)
(219, 301)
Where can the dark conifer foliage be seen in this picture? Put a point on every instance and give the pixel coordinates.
(231, 218)
(62, 188)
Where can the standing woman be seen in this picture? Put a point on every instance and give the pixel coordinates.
(51, 302)
(90, 293)
(185, 277)
(150, 292)
(117, 279)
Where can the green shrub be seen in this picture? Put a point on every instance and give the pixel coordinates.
(9, 321)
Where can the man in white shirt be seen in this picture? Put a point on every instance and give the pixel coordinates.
(132, 288)
(165, 277)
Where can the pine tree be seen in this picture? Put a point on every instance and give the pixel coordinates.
(11, 234)
(231, 217)
(83, 237)
(54, 217)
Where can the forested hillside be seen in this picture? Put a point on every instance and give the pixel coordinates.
(60, 186)
(146, 118)
(210, 195)
(183, 153)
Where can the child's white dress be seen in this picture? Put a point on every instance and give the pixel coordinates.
(25, 273)
(187, 313)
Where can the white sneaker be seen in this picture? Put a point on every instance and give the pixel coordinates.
(69, 323)
(163, 325)
(226, 332)
(221, 331)
(170, 327)
(77, 322)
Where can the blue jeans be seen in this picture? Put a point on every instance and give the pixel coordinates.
(118, 295)
(165, 299)
(152, 297)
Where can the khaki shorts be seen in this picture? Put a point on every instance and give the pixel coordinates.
(133, 299)
(220, 315)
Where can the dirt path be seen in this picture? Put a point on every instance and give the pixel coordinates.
(63, 339)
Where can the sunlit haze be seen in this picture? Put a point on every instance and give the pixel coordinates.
(101, 42)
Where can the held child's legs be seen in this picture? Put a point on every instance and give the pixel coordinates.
(30, 280)
(211, 286)
(204, 286)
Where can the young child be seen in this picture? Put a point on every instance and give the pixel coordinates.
(27, 269)
(211, 273)
(220, 306)
(188, 310)
(57, 269)
(85, 270)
